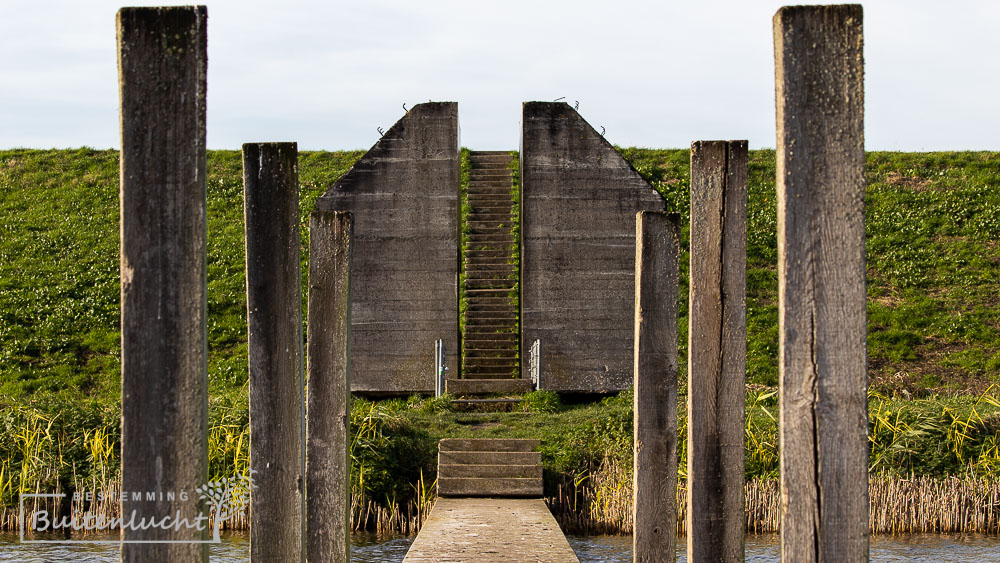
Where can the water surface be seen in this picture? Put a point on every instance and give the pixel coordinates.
(367, 548)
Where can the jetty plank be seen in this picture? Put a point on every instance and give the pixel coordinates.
(654, 510)
(274, 336)
(162, 61)
(328, 397)
(819, 73)
(717, 351)
(490, 529)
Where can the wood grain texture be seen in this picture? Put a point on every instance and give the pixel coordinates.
(821, 289)
(162, 61)
(717, 351)
(328, 463)
(654, 510)
(274, 318)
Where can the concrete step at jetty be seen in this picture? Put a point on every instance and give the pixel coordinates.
(490, 487)
(489, 467)
(489, 458)
(490, 471)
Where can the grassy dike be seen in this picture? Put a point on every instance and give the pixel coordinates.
(933, 248)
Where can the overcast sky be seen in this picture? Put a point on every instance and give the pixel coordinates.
(655, 74)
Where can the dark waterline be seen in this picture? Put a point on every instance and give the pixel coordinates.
(367, 548)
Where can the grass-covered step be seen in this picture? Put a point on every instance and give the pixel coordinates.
(488, 444)
(486, 386)
(473, 262)
(492, 214)
(491, 304)
(496, 318)
(496, 352)
(490, 341)
(509, 284)
(498, 372)
(490, 471)
(496, 364)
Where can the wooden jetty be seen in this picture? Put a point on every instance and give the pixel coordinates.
(489, 507)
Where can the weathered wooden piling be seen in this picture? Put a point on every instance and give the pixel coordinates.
(328, 464)
(717, 351)
(274, 318)
(161, 69)
(654, 507)
(821, 283)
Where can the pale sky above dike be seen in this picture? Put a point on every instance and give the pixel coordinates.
(657, 74)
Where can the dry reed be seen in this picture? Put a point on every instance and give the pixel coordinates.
(366, 514)
(602, 504)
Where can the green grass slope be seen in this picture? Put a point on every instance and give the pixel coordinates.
(933, 246)
(933, 258)
(59, 289)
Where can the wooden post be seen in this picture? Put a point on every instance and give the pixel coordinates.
(821, 283)
(328, 463)
(717, 351)
(161, 68)
(654, 489)
(274, 318)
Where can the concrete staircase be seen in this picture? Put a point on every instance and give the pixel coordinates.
(489, 468)
(490, 341)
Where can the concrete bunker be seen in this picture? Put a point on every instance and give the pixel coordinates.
(403, 194)
(579, 199)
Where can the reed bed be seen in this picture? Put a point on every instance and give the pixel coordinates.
(390, 517)
(366, 514)
(956, 504)
(603, 505)
(957, 440)
(898, 505)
